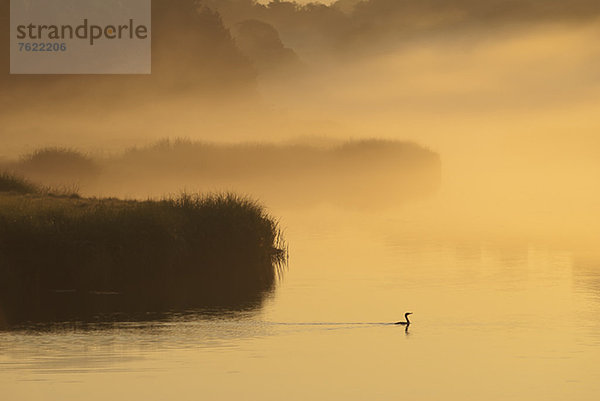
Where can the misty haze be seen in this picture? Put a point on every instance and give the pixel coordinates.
(250, 220)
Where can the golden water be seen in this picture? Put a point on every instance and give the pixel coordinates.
(510, 320)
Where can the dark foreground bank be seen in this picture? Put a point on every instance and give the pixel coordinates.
(64, 257)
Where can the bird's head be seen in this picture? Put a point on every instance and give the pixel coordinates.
(408, 313)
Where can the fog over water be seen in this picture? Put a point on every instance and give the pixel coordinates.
(512, 112)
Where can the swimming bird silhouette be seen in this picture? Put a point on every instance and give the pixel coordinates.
(407, 323)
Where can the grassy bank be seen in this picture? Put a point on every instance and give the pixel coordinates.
(65, 256)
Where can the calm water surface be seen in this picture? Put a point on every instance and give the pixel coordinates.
(491, 321)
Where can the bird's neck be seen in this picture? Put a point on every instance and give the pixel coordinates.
(407, 321)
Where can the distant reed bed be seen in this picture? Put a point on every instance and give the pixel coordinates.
(365, 173)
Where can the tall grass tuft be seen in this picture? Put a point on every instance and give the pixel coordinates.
(13, 183)
(58, 166)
